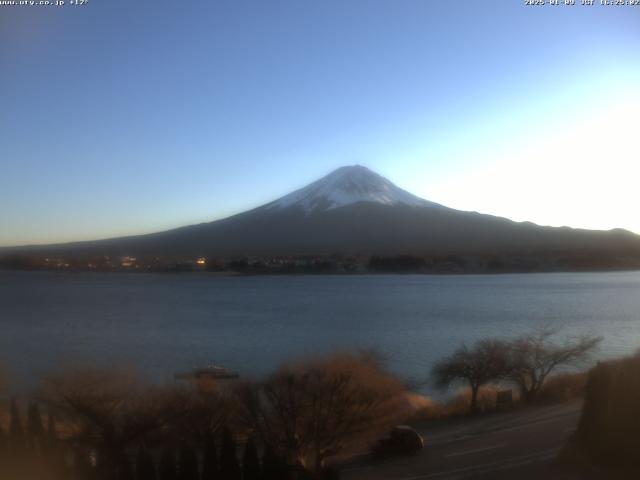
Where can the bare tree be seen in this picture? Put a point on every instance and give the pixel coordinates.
(107, 410)
(534, 356)
(485, 362)
(202, 414)
(313, 410)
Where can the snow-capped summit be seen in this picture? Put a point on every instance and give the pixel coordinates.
(354, 211)
(346, 186)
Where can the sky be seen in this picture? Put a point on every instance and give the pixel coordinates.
(124, 117)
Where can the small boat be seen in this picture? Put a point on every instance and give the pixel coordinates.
(211, 372)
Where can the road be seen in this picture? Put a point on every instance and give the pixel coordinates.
(521, 444)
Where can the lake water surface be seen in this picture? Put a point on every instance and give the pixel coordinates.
(164, 323)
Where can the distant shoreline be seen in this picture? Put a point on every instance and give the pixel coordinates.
(503, 262)
(237, 274)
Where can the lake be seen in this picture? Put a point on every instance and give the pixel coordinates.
(163, 323)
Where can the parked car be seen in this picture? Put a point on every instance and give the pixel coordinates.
(401, 440)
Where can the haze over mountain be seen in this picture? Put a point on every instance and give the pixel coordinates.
(354, 211)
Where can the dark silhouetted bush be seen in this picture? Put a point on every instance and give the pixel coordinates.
(609, 430)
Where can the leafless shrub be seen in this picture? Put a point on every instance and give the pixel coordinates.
(562, 387)
(458, 404)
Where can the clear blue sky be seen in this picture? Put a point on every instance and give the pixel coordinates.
(124, 117)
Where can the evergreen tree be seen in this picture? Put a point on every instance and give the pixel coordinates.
(167, 466)
(273, 468)
(16, 433)
(107, 466)
(125, 470)
(35, 429)
(145, 468)
(250, 462)
(52, 435)
(3, 452)
(187, 464)
(330, 473)
(3, 443)
(229, 467)
(210, 469)
(54, 454)
(268, 464)
(82, 469)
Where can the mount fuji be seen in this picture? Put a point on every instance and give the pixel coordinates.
(355, 211)
(346, 186)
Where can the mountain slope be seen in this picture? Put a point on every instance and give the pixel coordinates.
(355, 211)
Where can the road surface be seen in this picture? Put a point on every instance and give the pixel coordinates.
(521, 444)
